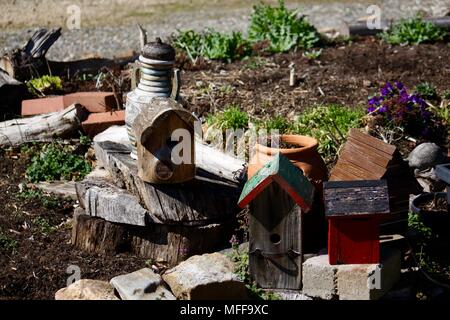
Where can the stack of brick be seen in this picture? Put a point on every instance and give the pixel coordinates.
(101, 105)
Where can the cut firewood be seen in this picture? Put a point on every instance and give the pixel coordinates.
(164, 243)
(42, 128)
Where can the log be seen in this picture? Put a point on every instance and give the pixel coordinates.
(165, 243)
(194, 202)
(29, 61)
(360, 28)
(102, 199)
(12, 92)
(210, 163)
(42, 128)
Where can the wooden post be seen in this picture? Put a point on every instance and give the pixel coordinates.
(279, 193)
(354, 210)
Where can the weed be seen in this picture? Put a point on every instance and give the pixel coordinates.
(231, 118)
(413, 31)
(6, 243)
(55, 162)
(256, 63)
(281, 28)
(48, 201)
(85, 140)
(277, 123)
(213, 45)
(44, 85)
(329, 125)
(427, 91)
(312, 54)
(446, 94)
(44, 226)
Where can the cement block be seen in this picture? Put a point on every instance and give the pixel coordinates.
(319, 278)
(352, 281)
(369, 281)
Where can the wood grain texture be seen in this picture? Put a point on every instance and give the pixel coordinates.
(153, 129)
(193, 202)
(349, 198)
(275, 230)
(42, 128)
(164, 243)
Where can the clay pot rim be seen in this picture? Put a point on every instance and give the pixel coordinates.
(309, 143)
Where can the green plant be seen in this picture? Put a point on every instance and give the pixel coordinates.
(427, 90)
(416, 224)
(281, 28)
(229, 47)
(231, 118)
(213, 45)
(329, 124)
(85, 140)
(255, 63)
(44, 226)
(48, 201)
(241, 269)
(276, 123)
(55, 162)
(44, 85)
(446, 94)
(6, 243)
(413, 31)
(312, 54)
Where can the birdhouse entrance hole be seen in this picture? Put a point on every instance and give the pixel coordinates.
(275, 238)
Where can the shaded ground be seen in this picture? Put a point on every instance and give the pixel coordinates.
(35, 268)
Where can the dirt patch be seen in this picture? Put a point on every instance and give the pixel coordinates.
(344, 75)
(35, 268)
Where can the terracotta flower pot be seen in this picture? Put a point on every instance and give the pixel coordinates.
(305, 157)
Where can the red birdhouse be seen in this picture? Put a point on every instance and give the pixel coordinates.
(354, 210)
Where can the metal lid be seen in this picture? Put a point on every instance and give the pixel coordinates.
(159, 51)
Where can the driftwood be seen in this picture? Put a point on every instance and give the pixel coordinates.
(42, 128)
(102, 199)
(209, 162)
(29, 61)
(167, 243)
(12, 92)
(193, 202)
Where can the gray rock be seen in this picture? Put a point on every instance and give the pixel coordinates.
(425, 155)
(205, 277)
(86, 289)
(143, 284)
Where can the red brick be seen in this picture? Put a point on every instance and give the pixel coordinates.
(42, 105)
(98, 122)
(92, 101)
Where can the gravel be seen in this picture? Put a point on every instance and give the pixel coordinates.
(112, 41)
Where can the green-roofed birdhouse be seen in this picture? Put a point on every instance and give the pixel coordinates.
(278, 194)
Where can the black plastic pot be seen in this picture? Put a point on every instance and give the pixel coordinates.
(438, 221)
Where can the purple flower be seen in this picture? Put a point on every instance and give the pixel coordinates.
(386, 89)
(374, 101)
(382, 109)
(399, 85)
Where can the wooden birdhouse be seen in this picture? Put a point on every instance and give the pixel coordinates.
(278, 194)
(164, 133)
(354, 210)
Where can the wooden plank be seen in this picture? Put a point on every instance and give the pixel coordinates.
(372, 141)
(354, 172)
(362, 161)
(275, 228)
(375, 158)
(370, 148)
(349, 198)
